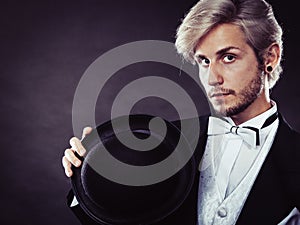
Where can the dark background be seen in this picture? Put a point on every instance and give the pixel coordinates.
(45, 48)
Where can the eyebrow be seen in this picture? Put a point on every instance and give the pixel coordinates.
(224, 50)
(219, 52)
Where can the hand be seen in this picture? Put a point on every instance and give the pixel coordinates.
(69, 158)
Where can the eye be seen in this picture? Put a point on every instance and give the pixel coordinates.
(229, 58)
(203, 61)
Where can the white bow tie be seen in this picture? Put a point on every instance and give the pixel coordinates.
(218, 126)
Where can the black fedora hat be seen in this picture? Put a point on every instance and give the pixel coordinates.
(111, 198)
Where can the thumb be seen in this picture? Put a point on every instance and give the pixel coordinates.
(86, 131)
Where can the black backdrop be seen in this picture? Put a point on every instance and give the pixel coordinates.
(45, 48)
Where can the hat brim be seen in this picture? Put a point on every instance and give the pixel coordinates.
(181, 181)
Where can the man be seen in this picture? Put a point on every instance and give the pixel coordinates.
(250, 172)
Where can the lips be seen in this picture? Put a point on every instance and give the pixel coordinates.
(218, 92)
(218, 95)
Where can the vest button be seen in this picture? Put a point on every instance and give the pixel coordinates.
(222, 212)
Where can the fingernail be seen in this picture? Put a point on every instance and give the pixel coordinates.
(69, 173)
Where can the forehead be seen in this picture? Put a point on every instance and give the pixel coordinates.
(221, 37)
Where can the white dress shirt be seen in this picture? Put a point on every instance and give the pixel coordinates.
(234, 157)
(229, 168)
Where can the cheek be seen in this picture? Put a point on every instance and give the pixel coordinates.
(237, 77)
(242, 71)
(203, 75)
(204, 80)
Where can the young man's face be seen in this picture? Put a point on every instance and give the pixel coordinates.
(228, 70)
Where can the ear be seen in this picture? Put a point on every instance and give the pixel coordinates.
(272, 57)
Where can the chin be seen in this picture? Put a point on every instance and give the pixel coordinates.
(228, 110)
(220, 109)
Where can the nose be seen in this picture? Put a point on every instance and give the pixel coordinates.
(214, 76)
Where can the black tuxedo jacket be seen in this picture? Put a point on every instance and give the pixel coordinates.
(275, 193)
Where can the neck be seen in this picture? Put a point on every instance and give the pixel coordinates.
(260, 105)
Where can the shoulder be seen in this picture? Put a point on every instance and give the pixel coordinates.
(286, 149)
(287, 137)
(287, 141)
(194, 130)
(192, 123)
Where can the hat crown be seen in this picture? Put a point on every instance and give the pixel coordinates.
(108, 202)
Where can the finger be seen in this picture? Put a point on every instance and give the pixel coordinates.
(69, 153)
(77, 146)
(67, 166)
(86, 131)
(68, 172)
(66, 163)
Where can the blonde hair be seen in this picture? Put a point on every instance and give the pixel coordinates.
(255, 18)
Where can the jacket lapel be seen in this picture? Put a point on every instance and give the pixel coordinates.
(267, 202)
